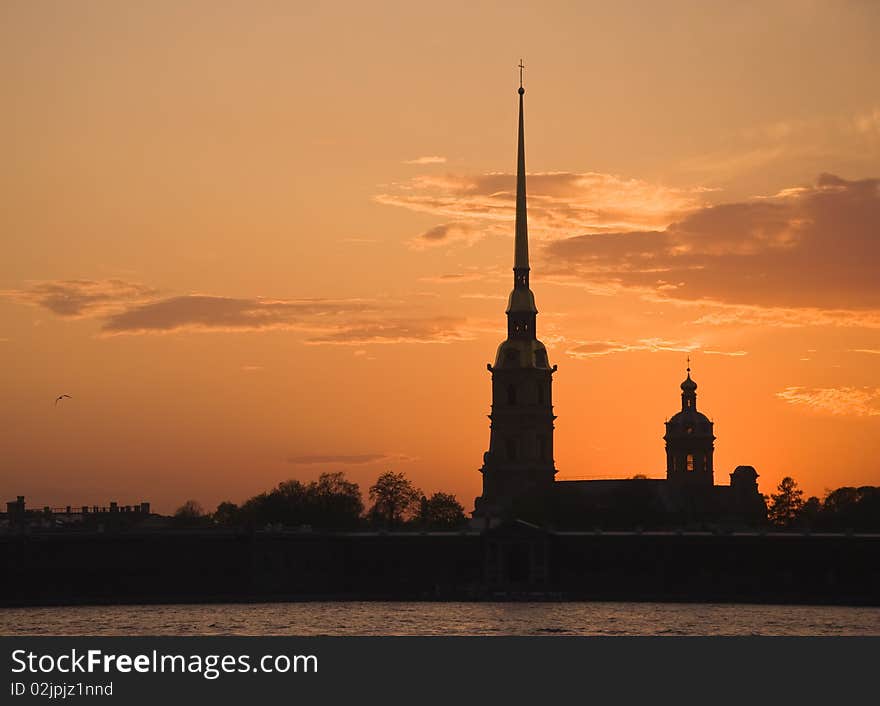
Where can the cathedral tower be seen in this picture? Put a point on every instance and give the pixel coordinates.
(690, 441)
(519, 463)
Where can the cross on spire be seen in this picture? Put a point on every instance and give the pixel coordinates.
(521, 66)
(689, 363)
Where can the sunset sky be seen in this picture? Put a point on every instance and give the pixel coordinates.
(263, 240)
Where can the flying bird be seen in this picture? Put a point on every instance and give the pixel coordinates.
(61, 397)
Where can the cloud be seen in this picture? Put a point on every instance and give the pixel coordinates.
(868, 122)
(455, 277)
(348, 459)
(78, 298)
(321, 321)
(402, 330)
(806, 247)
(593, 349)
(851, 136)
(446, 233)
(871, 351)
(782, 317)
(560, 203)
(202, 312)
(433, 159)
(838, 401)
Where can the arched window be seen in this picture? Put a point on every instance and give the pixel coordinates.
(690, 462)
(511, 394)
(511, 449)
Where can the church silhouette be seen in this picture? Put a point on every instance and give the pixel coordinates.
(519, 471)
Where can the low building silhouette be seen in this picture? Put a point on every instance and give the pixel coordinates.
(114, 515)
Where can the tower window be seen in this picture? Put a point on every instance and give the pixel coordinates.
(511, 394)
(540, 393)
(690, 462)
(511, 449)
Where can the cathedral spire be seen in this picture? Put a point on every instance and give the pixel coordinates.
(521, 248)
(521, 308)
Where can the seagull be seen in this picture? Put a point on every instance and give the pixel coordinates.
(61, 397)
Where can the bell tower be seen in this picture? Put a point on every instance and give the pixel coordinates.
(690, 441)
(519, 463)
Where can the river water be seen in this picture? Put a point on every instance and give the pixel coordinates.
(399, 618)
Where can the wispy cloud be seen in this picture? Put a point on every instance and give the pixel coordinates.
(401, 330)
(446, 233)
(455, 277)
(854, 135)
(431, 159)
(560, 203)
(78, 298)
(591, 349)
(782, 317)
(348, 459)
(350, 321)
(838, 401)
(203, 312)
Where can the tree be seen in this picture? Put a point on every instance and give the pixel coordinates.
(441, 511)
(851, 508)
(285, 504)
(331, 502)
(226, 514)
(334, 501)
(810, 511)
(786, 504)
(395, 499)
(189, 514)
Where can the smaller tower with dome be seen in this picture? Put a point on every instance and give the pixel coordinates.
(690, 441)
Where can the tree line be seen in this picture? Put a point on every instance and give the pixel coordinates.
(333, 502)
(842, 510)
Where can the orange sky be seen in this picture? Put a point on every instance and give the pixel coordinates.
(258, 241)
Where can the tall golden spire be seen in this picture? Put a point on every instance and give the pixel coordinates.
(521, 247)
(521, 301)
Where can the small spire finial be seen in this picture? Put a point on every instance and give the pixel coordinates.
(689, 366)
(521, 66)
